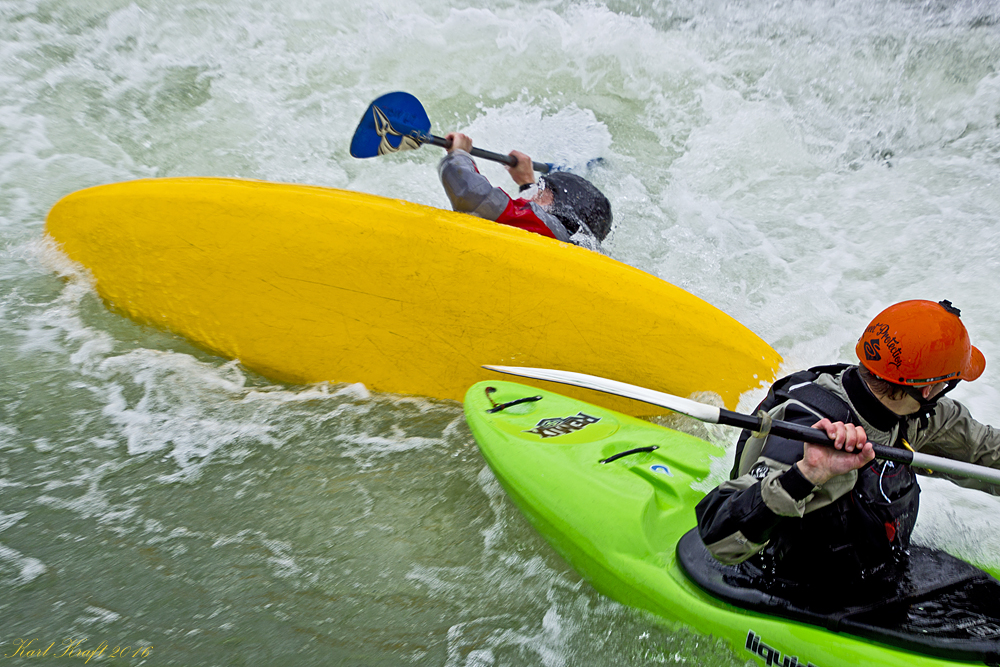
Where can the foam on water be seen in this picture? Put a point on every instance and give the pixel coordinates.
(798, 164)
(15, 568)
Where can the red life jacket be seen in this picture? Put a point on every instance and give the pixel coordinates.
(519, 214)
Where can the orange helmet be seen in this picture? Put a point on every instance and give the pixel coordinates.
(919, 342)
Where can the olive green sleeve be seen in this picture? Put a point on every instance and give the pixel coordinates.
(951, 432)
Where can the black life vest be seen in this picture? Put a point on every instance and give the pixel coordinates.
(868, 528)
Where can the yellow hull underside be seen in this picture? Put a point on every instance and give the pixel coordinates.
(307, 284)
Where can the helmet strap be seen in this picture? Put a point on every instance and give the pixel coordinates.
(927, 405)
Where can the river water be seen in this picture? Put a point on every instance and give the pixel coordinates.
(800, 165)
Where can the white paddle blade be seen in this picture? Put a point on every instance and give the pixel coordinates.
(700, 411)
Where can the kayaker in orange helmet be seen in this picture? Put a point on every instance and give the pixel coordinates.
(793, 509)
(561, 205)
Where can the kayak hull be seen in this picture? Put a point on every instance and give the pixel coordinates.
(618, 523)
(306, 284)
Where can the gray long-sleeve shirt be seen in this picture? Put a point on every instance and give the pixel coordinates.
(471, 192)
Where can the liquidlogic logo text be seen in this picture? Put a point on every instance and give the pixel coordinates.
(555, 426)
(770, 655)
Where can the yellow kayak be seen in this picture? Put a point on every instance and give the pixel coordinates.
(307, 284)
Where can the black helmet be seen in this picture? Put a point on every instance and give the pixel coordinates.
(576, 200)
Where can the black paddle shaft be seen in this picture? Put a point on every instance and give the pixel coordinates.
(807, 434)
(508, 160)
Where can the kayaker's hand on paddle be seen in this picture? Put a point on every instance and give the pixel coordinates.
(851, 451)
(459, 142)
(523, 173)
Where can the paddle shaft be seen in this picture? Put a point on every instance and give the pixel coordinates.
(904, 456)
(508, 160)
(807, 434)
(714, 415)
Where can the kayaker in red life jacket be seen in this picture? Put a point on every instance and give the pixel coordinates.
(561, 206)
(806, 513)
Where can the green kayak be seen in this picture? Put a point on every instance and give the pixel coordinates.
(615, 497)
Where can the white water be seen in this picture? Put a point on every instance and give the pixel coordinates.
(800, 165)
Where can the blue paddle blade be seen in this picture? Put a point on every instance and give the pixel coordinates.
(394, 122)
